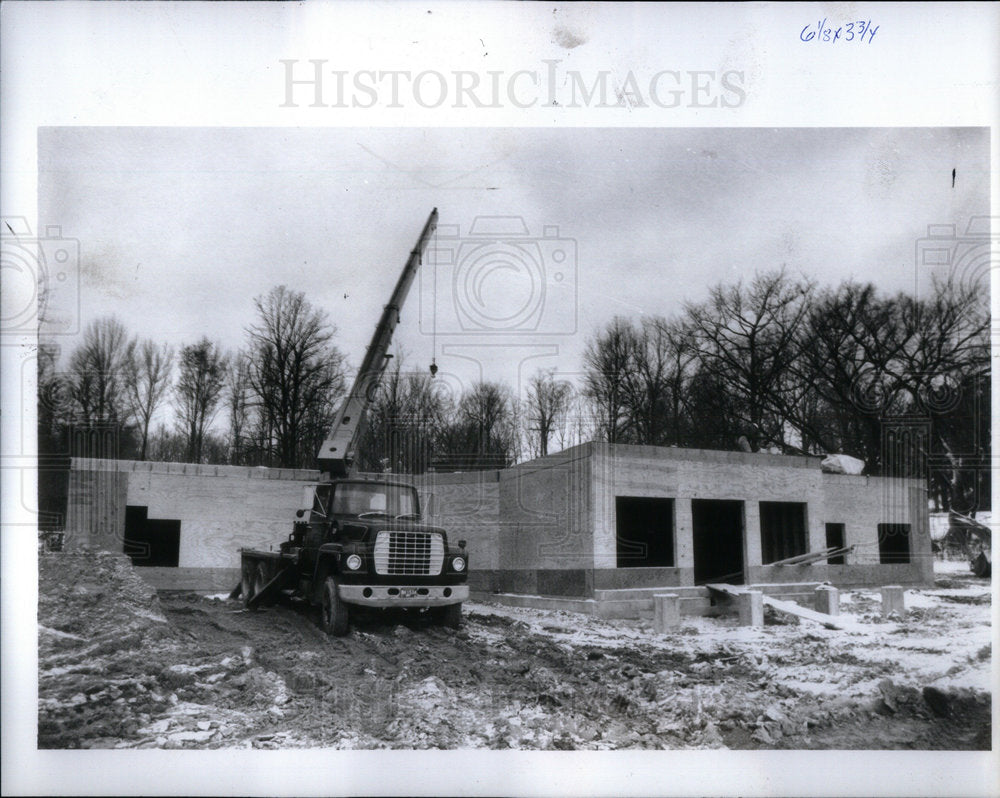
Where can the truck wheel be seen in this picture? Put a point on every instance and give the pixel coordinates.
(335, 615)
(451, 616)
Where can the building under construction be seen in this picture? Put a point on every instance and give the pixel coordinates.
(596, 528)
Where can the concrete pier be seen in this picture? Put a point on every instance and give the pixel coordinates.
(827, 600)
(751, 607)
(667, 611)
(893, 600)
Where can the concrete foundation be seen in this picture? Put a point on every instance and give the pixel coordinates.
(667, 611)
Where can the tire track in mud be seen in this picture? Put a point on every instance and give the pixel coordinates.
(496, 683)
(502, 683)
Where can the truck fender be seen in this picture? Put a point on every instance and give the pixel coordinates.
(327, 564)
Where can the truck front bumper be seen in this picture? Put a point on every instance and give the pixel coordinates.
(403, 595)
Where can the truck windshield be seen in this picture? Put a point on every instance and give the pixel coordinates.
(354, 499)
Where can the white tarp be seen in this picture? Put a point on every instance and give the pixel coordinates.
(842, 464)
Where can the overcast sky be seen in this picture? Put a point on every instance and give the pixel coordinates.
(181, 228)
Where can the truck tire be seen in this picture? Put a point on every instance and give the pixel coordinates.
(334, 618)
(451, 616)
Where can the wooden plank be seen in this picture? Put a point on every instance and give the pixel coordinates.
(791, 608)
(814, 556)
(729, 590)
(803, 559)
(788, 607)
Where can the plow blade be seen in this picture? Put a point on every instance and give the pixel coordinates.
(272, 588)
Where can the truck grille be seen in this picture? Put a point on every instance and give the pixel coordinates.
(409, 553)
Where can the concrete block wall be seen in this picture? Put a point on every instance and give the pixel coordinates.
(95, 505)
(686, 474)
(225, 508)
(544, 527)
(545, 513)
(221, 508)
(862, 503)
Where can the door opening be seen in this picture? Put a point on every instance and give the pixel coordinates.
(893, 544)
(151, 542)
(835, 540)
(644, 532)
(782, 530)
(717, 526)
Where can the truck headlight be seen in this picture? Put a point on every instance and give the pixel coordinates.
(353, 562)
(458, 564)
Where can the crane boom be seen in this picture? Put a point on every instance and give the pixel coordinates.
(336, 456)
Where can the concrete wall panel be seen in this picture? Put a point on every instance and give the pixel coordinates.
(95, 509)
(545, 512)
(221, 508)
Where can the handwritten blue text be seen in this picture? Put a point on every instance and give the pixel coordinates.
(847, 32)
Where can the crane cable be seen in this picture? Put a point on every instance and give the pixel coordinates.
(434, 315)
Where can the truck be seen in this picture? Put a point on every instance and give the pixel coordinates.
(359, 542)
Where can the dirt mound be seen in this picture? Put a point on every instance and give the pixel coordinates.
(93, 592)
(115, 672)
(97, 621)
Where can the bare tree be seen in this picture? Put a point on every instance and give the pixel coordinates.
(96, 374)
(682, 354)
(747, 339)
(170, 445)
(295, 372)
(868, 362)
(147, 379)
(55, 408)
(580, 426)
(401, 422)
(637, 380)
(484, 433)
(835, 377)
(647, 384)
(320, 411)
(546, 408)
(607, 361)
(197, 393)
(239, 401)
(951, 379)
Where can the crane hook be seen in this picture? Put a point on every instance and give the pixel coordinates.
(434, 369)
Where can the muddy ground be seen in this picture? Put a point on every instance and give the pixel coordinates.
(121, 667)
